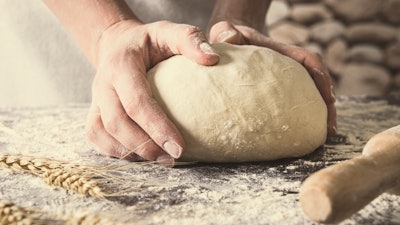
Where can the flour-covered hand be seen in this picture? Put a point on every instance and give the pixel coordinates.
(124, 119)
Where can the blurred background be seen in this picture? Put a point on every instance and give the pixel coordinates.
(359, 40)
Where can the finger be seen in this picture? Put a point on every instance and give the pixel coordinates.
(323, 82)
(187, 40)
(226, 32)
(324, 85)
(332, 126)
(121, 127)
(319, 73)
(101, 141)
(135, 95)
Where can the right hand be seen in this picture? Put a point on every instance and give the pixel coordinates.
(124, 120)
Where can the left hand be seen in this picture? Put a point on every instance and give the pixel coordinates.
(243, 35)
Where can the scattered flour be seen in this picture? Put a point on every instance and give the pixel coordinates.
(252, 193)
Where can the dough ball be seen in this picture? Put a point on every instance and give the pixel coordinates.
(254, 105)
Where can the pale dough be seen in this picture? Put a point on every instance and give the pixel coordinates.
(254, 105)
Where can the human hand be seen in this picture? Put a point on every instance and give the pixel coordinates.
(124, 120)
(243, 35)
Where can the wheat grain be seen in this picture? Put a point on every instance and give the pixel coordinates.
(11, 214)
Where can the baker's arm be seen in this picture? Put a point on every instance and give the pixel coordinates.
(243, 22)
(241, 12)
(87, 20)
(124, 120)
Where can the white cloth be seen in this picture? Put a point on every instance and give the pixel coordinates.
(41, 65)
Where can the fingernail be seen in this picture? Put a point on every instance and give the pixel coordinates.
(226, 35)
(166, 160)
(207, 49)
(173, 149)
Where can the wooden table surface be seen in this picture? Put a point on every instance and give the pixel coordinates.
(250, 193)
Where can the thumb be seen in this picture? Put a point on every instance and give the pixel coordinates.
(186, 40)
(226, 32)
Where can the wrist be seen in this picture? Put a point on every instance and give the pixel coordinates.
(110, 35)
(87, 20)
(241, 12)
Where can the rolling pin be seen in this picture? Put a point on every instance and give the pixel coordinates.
(336, 192)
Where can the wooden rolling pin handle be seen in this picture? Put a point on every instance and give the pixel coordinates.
(335, 193)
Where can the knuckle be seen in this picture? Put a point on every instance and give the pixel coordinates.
(161, 23)
(193, 32)
(91, 134)
(331, 99)
(318, 56)
(136, 104)
(182, 28)
(92, 128)
(112, 124)
(108, 150)
(132, 109)
(120, 151)
(190, 30)
(103, 150)
(141, 150)
(315, 55)
(223, 24)
(303, 55)
(148, 150)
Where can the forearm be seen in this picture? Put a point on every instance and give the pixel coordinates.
(241, 12)
(86, 20)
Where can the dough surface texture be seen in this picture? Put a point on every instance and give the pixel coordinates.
(254, 105)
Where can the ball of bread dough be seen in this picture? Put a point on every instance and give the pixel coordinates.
(254, 105)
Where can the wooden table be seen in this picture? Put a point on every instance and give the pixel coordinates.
(251, 193)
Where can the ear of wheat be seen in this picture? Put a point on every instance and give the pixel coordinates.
(17, 162)
(12, 214)
(69, 180)
(70, 176)
(88, 180)
(35, 165)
